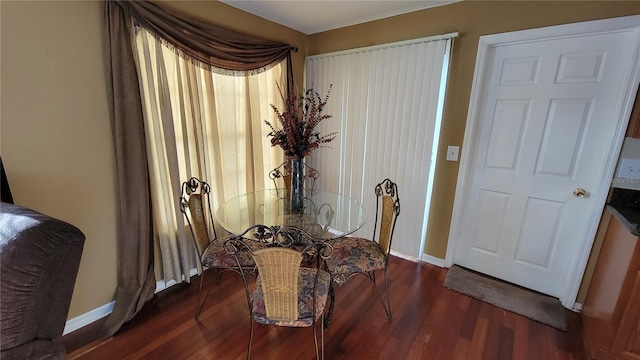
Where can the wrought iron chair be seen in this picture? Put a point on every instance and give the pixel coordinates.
(355, 255)
(283, 172)
(196, 207)
(291, 288)
(310, 222)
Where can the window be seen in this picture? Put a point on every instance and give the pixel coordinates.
(202, 122)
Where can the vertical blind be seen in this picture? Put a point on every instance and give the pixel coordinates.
(386, 104)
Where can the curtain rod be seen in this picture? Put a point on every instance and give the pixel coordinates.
(398, 43)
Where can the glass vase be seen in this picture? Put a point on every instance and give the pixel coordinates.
(297, 185)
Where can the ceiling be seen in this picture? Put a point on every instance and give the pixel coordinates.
(313, 16)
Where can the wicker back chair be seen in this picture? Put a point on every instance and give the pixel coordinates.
(281, 177)
(196, 206)
(359, 256)
(279, 270)
(292, 287)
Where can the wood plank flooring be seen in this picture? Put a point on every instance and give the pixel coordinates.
(430, 322)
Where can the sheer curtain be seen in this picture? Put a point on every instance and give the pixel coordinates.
(386, 103)
(201, 123)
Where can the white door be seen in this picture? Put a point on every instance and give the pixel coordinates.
(549, 117)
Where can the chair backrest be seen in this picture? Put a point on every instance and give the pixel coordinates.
(281, 176)
(285, 250)
(311, 175)
(196, 207)
(279, 270)
(387, 211)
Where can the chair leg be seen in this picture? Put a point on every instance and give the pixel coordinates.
(315, 338)
(322, 338)
(250, 340)
(387, 306)
(218, 276)
(386, 289)
(372, 277)
(198, 305)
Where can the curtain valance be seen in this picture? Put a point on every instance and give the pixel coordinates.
(212, 45)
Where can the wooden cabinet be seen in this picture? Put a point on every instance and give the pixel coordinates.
(611, 311)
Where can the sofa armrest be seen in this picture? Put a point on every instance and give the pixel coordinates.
(39, 261)
(36, 349)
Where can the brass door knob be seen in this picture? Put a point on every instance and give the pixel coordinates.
(580, 192)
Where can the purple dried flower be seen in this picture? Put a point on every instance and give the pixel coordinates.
(301, 115)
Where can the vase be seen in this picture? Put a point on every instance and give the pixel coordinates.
(297, 185)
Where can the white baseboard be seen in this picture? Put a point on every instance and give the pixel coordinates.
(87, 318)
(161, 285)
(577, 307)
(106, 309)
(432, 260)
(424, 258)
(404, 256)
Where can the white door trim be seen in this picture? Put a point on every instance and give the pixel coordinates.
(624, 106)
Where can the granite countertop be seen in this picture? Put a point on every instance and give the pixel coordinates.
(625, 206)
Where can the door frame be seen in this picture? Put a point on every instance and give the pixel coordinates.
(623, 110)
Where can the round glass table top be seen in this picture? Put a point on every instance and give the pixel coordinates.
(325, 215)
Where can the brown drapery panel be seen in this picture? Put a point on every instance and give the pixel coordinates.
(209, 44)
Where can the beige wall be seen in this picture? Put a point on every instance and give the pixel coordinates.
(471, 19)
(55, 137)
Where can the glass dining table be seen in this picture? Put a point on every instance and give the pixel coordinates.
(326, 215)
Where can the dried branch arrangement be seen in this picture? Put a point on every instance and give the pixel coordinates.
(297, 135)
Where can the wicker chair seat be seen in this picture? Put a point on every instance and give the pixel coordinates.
(355, 255)
(305, 299)
(216, 256)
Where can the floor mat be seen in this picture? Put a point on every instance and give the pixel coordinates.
(533, 305)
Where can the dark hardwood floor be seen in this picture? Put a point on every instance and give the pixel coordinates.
(430, 322)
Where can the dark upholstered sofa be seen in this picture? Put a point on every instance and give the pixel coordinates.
(39, 260)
